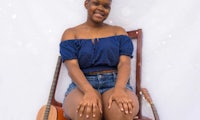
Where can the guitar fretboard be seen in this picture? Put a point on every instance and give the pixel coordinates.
(53, 86)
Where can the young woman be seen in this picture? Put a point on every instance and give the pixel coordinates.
(97, 56)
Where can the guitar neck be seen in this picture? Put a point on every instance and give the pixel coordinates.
(53, 87)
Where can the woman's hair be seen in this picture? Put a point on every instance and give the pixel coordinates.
(89, 0)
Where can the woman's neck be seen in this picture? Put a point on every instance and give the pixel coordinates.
(93, 24)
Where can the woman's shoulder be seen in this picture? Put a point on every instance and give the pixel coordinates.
(118, 30)
(73, 32)
(68, 34)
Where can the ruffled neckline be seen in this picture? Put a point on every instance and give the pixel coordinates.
(106, 37)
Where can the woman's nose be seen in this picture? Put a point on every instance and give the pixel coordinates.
(100, 7)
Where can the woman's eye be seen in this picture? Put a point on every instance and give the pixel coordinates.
(106, 6)
(96, 3)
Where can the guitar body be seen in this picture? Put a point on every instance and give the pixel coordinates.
(52, 113)
(55, 113)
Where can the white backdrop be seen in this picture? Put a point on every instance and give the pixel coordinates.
(30, 32)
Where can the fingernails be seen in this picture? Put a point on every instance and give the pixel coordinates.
(126, 112)
(93, 115)
(80, 115)
(87, 116)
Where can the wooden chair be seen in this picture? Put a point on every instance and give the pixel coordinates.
(142, 93)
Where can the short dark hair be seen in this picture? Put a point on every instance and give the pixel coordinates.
(89, 0)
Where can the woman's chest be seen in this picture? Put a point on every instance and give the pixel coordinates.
(98, 46)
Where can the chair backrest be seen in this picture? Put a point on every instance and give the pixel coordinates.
(135, 35)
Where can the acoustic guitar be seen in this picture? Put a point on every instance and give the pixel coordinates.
(50, 112)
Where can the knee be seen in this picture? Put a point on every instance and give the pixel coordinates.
(119, 116)
(123, 116)
(91, 116)
(114, 113)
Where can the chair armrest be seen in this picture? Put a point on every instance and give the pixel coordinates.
(148, 107)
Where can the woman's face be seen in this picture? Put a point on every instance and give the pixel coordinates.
(98, 10)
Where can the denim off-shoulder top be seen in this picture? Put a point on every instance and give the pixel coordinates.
(98, 54)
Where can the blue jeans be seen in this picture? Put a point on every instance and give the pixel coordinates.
(100, 82)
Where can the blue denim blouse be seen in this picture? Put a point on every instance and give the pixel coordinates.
(100, 54)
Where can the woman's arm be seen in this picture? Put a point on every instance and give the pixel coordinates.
(123, 72)
(77, 75)
(72, 65)
(91, 99)
(120, 94)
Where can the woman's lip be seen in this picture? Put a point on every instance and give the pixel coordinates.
(98, 15)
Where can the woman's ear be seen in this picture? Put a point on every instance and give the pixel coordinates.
(86, 3)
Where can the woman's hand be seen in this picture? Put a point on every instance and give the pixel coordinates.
(122, 99)
(90, 103)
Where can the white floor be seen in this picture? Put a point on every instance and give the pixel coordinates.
(30, 33)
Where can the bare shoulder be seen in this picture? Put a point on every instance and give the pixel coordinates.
(119, 30)
(68, 34)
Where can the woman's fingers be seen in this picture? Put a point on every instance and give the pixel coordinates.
(81, 108)
(88, 110)
(120, 104)
(100, 106)
(94, 109)
(130, 107)
(126, 106)
(110, 102)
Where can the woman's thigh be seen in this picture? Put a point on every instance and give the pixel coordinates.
(71, 103)
(114, 113)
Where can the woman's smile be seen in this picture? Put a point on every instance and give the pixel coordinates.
(99, 14)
